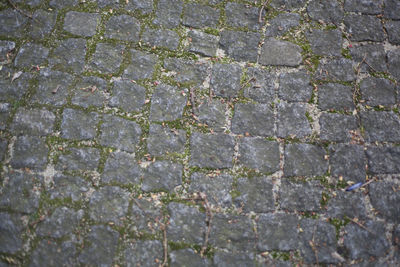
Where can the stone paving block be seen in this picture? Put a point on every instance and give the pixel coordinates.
(122, 27)
(12, 23)
(53, 81)
(336, 70)
(108, 3)
(300, 196)
(350, 205)
(337, 127)
(144, 6)
(5, 109)
(141, 67)
(370, 7)
(396, 235)
(69, 55)
(288, 4)
(167, 103)
(14, 90)
(145, 215)
(232, 232)
(42, 24)
(203, 43)
(292, 120)
(128, 96)
(187, 257)
(62, 221)
(255, 119)
(38, 122)
(186, 224)
(241, 46)
(144, 253)
(211, 150)
(89, 91)
(127, 136)
(168, 13)
(216, 188)
(242, 16)
(295, 87)
(225, 79)
(325, 42)
(282, 23)
(373, 54)
(277, 231)
(107, 58)
(280, 53)
(69, 187)
(31, 54)
(164, 140)
(378, 91)
(54, 254)
(391, 9)
(323, 238)
(381, 126)
(255, 195)
(5, 48)
(384, 197)
(21, 192)
(328, 11)
(347, 161)
(11, 229)
(304, 160)
(162, 175)
(361, 243)
(262, 87)
(121, 168)
(393, 30)
(78, 124)
(29, 152)
(187, 71)
(3, 148)
(222, 258)
(109, 204)
(394, 63)
(212, 113)
(335, 96)
(199, 16)
(383, 159)
(257, 153)
(100, 246)
(364, 28)
(59, 4)
(81, 23)
(79, 159)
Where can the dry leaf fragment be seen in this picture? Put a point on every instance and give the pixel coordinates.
(16, 75)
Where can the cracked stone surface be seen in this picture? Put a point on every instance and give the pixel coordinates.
(204, 133)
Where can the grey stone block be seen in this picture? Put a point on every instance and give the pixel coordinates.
(325, 42)
(337, 127)
(254, 119)
(168, 13)
(282, 23)
(39, 122)
(242, 16)
(122, 27)
(381, 126)
(29, 152)
(292, 120)
(336, 70)
(335, 96)
(146, 215)
(89, 92)
(370, 7)
(69, 187)
(69, 55)
(54, 254)
(373, 54)
(62, 222)
(213, 114)
(302, 196)
(199, 16)
(127, 96)
(225, 79)
(394, 63)
(144, 253)
(378, 91)
(364, 28)
(79, 159)
(187, 71)
(328, 11)
(262, 85)
(81, 23)
(107, 58)
(202, 43)
(347, 205)
(167, 103)
(295, 87)
(241, 46)
(393, 30)
(161, 38)
(121, 168)
(42, 24)
(162, 175)
(30, 55)
(348, 161)
(280, 53)
(164, 140)
(141, 66)
(383, 160)
(11, 230)
(392, 9)
(77, 124)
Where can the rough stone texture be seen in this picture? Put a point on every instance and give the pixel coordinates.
(392, 9)
(262, 87)
(5, 48)
(119, 133)
(77, 124)
(336, 70)
(79, 159)
(144, 6)
(144, 253)
(38, 122)
(213, 114)
(198, 16)
(347, 205)
(107, 58)
(14, 90)
(3, 148)
(256, 153)
(383, 160)
(162, 175)
(202, 43)
(328, 11)
(128, 96)
(81, 23)
(12, 23)
(292, 120)
(4, 115)
(186, 224)
(59, 4)
(11, 229)
(61, 222)
(216, 188)
(187, 257)
(394, 63)
(254, 119)
(211, 150)
(381, 126)
(338, 127)
(122, 27)
(295, 87)
(255, 194)
(378, 91)
(30, 55)
(225, 79)
(362, 243)
(242, 16)
(29, 152)
(146, 215)
(304, 160)
(325, 43)
(240, 45)
(186, 71)
(168, 13)
(69, 55)
(282, 23)
(121, 168)
(364, 28)
(141, 67)
(54, 254)
(164, 140)
(167, 103)
(348, 162)
(89, 92)
(225, 259)
(42, 25)
(303, 196)
(393, 30)
(335, 96)
(371, 7)
(68, 187)
(288, 4)
(161, 38)
(280, 53)
(384, 196)
(374, 54)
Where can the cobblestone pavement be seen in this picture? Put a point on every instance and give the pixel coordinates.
(199, 133)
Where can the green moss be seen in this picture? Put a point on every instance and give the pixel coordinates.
(280, 255)
(324, 199)
(309, 118)
(212, 31)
